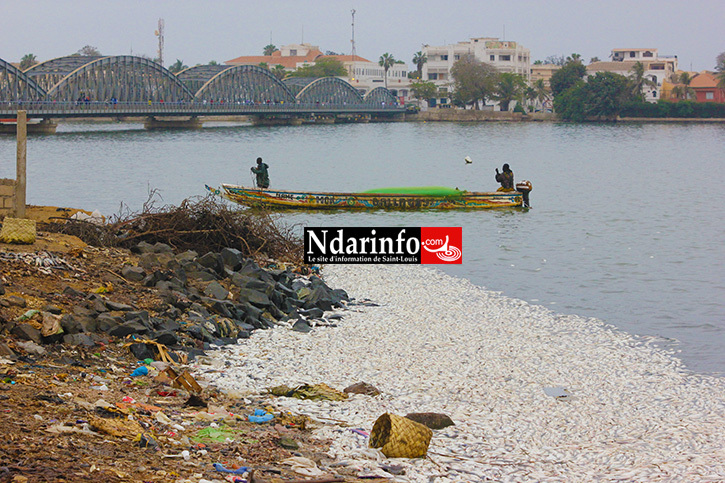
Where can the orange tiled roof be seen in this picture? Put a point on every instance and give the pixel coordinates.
(346, 58)
(288, 62)
(704, 80)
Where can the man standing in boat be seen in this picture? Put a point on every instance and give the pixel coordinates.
(506, 178)
(262, 172)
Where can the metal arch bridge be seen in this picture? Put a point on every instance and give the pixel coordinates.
(117, 86)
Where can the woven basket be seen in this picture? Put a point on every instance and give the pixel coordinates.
(399, 437)
(18, 230)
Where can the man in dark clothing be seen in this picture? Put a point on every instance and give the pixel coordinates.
(506, 178)
(261, 170)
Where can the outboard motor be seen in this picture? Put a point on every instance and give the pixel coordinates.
(524, 187)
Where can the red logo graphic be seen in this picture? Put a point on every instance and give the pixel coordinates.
(441, 244)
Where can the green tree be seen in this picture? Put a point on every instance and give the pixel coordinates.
(682, 90)
(473, 81)
(263, 65)
(568, 76)
(638, 81)
(213, 62)
(555, 59)
(324, 67)
(594, 59)
(88, 51)
(541, 91)
(177, 66)
(602, 97)
(423, 90)
(269, 49)
(386, 62)
(510, 87)
(720, 69)
(278, 71)
(28, 61)
(419, 59)
(574, 58)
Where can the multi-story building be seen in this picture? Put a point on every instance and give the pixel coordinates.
(505, 55)
(363, 74)
(543, 72)
(656, 68)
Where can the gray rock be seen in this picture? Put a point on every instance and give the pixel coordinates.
(232, 258)
(99, 305)
(134, 274)
(138, 314)
(202, 276)
(117, 306)
(26, 332)
(186, 256)
(301, 326)
(216, 291)
(260, 299)
(133, 327)
(31, 347)
(78, 339)
(16, 301)
(52, 309)
(212, 261)
(71, 325)
(107, 322)
(68, 290)
(432, 420)
(166, 338)
(240, 280)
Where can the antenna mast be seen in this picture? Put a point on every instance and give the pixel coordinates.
(353, 35)
(160, 34)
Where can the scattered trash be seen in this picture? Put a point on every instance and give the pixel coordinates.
(221, 468)
(140, 371)
(260, 416)
(399, 437)
(314, 392)
(432, 420)
(558, 392)
(303, 466)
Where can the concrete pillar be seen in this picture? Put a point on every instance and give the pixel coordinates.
(20, 175)
(172, 123)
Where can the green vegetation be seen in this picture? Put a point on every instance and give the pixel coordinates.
(386, 62)
(269, 49)
(681, 109)
(720, 69)
(321, 68)
(28, 61)
(510, 87)
(177, 66)
(423, 90)
(473, 81)
(88, 51)
(419, 59)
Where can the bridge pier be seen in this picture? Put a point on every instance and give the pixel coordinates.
(275, 121)
(397, 117)
(152, 123)
(46, 126)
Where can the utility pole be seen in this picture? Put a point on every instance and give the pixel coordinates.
(353, 53)
(160, 34)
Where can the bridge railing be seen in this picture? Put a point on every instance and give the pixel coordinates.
(82, 108)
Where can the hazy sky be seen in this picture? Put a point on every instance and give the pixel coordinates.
(203, 30)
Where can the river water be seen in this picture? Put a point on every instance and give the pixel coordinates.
(626, 225)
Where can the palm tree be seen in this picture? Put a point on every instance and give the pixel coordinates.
(386, 62)
(177, 66)
(542, 92)
(720, 68)
(28, 61)
(683, 90)
(278, 71)
(509, 88)
(638, 81)
(269, 49)
(574, 58)
(419, 59)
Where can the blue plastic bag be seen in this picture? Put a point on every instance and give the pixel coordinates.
(140, 371)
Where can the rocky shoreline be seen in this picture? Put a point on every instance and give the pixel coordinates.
(97, 355)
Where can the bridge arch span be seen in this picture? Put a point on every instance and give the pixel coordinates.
(380, 95)
(245, 84)
(124, 78)
(16, 86)
(329, 90)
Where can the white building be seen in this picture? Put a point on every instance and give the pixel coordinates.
(365, 75)
(657, 69)
(505, 55)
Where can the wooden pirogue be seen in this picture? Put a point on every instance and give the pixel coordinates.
(409, 198)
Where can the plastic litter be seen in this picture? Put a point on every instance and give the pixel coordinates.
(239, 471)
(557, 392)
(260, 416)
(140, 371)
